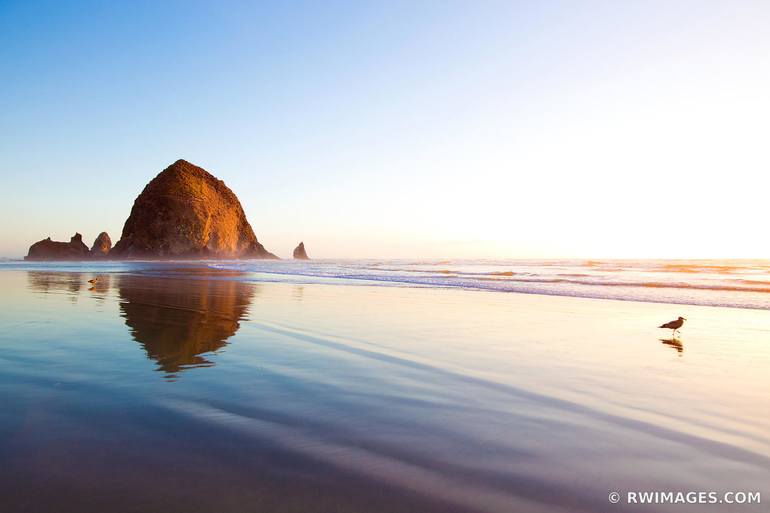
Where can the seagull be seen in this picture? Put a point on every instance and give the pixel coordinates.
(673, 325)
(93, 282)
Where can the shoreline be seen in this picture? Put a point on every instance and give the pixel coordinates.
(738, 292)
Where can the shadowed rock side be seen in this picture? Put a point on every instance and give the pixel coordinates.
(185, 212)
(178, 320)
(299, 252)
(48, 249)
(102, 246)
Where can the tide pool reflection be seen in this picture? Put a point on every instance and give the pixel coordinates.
(177, 321)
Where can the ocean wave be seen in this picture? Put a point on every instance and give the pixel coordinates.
(633, 280)
(433, 278)
(653, 284)
(738, 284)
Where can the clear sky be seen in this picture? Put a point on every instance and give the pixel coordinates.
(399, 129)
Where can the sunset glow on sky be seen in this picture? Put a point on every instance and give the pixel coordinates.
(414, 129)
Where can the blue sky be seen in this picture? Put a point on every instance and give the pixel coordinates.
(387, 129)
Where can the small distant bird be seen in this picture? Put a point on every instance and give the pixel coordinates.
(93, 282)
(673, 325)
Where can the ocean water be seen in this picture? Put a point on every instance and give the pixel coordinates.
(733, 283)
(376, 386)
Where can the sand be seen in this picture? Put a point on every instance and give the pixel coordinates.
(208, 392)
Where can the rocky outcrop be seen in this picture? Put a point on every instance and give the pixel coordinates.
(299, 252)
(102, 246)
(185, 212)
(48, 249)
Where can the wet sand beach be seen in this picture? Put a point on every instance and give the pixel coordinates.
(200, 390)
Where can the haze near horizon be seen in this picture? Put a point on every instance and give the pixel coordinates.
(437, 130)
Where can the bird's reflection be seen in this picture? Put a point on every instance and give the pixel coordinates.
(673, 343)
(177, 320)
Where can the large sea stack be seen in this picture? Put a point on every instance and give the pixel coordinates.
(185, 212)
(48, 249)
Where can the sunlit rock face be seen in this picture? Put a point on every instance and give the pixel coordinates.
(178, 321)
(48, 249)
(102, 245)
(185, 212)
(299, 252)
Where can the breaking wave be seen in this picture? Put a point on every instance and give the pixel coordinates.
(741, 284)
(731, 283)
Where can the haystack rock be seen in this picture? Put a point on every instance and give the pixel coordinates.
(299, 252)
(185, 212)
(102, 246)
(48, 249)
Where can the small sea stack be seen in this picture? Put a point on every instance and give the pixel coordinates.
(300, 253)
(48, 249)
(102, 246)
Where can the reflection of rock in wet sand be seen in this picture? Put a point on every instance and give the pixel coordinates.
(177, 320)
(71, 282)
(44, 281)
